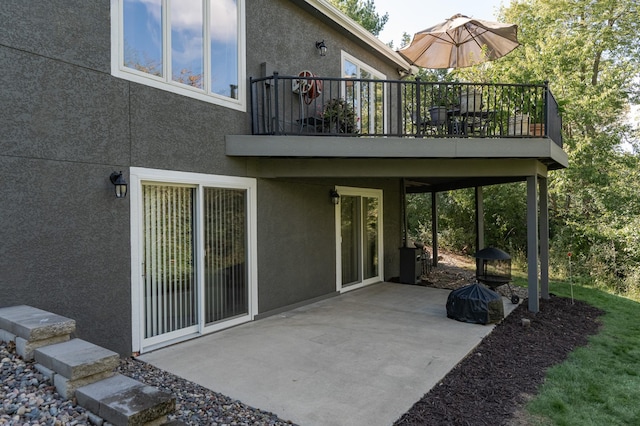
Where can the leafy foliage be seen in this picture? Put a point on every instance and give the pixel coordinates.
(340, 116)
(589, 51)
(363, 12)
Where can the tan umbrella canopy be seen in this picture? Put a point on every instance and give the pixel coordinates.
(458, 42)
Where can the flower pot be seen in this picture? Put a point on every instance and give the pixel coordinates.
(438, 114)
(536, 129)
(519, 125)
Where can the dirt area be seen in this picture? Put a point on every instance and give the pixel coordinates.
(455, 271)
(492, 384)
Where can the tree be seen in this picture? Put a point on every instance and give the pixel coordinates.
(589, 51)
(363, 12)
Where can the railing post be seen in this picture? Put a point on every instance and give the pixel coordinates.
(276, 107)
(401, 122)
(254, 115)
(418, 115)
(546, 108)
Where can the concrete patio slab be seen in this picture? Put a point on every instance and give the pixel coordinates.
(362, 358)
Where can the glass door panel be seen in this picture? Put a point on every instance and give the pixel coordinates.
(350, 233)
(170, 290)
(367, 97)
(225, 258)
(370, 249)
(360, 240)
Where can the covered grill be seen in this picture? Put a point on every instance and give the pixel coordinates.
(493, 268)
(476, 304)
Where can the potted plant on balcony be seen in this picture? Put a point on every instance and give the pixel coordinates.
(440, 104)
(340, 116)
(536, 125)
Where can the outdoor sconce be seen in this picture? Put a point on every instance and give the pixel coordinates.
(322, 47)
(120, 184)
(335, 197)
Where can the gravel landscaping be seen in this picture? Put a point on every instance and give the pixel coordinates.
(28, 398)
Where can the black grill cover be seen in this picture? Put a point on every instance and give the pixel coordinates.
(476, 304)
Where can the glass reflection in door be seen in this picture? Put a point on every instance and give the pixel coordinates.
(359, 227)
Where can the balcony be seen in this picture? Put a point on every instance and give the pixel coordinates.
(324, 106)
(313, 117)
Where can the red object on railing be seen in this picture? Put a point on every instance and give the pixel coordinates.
(310, 86)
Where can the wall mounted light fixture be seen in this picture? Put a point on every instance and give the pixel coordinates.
(334, 196)
(321, 47)
(120, 184)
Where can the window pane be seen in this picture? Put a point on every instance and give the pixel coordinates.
(224, 47)
(187, 51)
(225, 257)
(143, 36)
(370, 220)
(350, 233)
(169, 280)
(350, 69)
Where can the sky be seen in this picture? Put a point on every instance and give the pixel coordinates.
(412, 16)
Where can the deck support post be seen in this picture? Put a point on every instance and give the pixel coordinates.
(434, 227)
(479, 221)
(532, 242)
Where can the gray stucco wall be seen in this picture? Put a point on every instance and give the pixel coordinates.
(296, 234)
(65, 238)
(66, 124)
(284, 35)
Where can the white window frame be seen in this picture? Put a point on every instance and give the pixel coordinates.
(137, 177)
(119, 70)
(361, 192)
(375, 74)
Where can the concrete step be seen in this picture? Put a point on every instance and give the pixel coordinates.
(32, 328)
(121, 400)
(76, 363)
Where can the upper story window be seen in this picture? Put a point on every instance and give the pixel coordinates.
(368, 96)
(192, 47)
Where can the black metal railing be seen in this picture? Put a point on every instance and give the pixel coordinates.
(311, 105)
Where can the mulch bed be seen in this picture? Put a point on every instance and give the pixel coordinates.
(495, 380)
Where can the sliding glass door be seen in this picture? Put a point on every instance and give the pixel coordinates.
(194, 261)
(359, 221)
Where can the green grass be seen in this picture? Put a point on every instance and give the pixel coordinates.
(598, 384)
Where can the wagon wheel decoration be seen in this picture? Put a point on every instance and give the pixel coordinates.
(309, 86)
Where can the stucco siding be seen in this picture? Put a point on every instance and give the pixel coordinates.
(65, 245)
(67, 123)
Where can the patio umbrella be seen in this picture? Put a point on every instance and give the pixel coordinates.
(458, 42)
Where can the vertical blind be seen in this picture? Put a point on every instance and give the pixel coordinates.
(169, 277)
(225, 262)
(171, 285)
